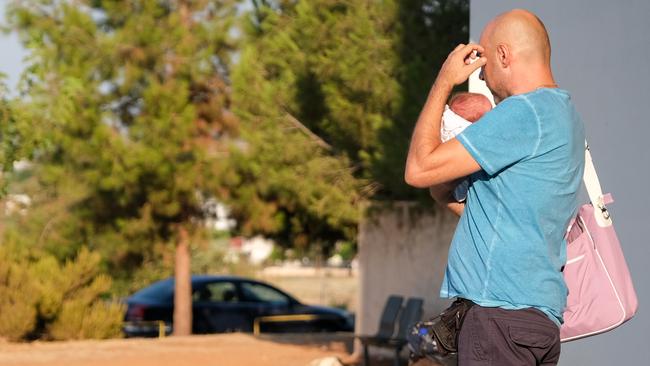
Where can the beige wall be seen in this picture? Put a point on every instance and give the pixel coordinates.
(402, 250)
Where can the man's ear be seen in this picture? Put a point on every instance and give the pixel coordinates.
(503, 55)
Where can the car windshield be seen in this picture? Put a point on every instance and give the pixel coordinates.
(160, 291)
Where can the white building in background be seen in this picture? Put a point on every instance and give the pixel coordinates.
(258, 249)
(217, 215)
(17, 204)
(255, 250)
(22, 165)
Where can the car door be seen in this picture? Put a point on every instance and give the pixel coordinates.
(217, 309)
(260, 300)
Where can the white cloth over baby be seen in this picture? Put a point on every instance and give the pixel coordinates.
(452, 124)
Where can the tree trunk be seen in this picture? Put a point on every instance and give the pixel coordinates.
(182, 285)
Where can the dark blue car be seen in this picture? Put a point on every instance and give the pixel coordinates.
(229, 304)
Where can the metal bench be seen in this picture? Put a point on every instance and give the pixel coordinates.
(386, 336)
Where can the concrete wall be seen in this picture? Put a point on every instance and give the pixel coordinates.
(601, 56)
(402, 250)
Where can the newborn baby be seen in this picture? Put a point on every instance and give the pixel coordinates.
(463, 110)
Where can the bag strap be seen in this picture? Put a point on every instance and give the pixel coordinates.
(595, 192)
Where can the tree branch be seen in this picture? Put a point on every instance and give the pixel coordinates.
(294, 121)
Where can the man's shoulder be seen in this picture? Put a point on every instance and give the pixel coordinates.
(515, 110)
(533, 107)
(547, 99)
(514, 105)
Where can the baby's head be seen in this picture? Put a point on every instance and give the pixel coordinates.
(470, 106)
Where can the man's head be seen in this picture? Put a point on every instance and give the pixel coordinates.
(518, 54)
(470, 106)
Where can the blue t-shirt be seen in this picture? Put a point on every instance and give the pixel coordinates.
(509, 248)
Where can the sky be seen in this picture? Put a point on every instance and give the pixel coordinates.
(600, 55)
(11, 53)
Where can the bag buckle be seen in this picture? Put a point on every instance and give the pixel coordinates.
(603, 209)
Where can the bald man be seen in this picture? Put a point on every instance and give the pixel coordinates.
(525, 160)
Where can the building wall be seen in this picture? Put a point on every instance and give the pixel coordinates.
(601, 56)
(403, 251)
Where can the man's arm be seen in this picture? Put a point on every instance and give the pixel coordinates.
(441, 193)
(429, 161)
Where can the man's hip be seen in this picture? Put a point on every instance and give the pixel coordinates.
(500, 337)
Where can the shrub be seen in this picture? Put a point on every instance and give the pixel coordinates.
(40, 298)
(17, 302)
(78, 320)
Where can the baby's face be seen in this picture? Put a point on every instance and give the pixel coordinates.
(470, 106)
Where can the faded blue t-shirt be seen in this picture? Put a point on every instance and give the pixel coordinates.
(509, 248)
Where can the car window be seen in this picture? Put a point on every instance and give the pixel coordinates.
(262, 293)
(216, 292)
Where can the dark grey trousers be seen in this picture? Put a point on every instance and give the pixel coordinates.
(499, 337)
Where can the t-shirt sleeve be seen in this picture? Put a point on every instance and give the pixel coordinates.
(505, 135)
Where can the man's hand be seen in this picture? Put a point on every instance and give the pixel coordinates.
(459, 66)
(441, 193)
(429, 162)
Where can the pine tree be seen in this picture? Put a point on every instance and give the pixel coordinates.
(328, 91)
(288, 182)
(130, 104)
(354, 73)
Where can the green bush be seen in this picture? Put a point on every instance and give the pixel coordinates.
(347, 250)
(40, 298)
(78, 320)
(17, 302)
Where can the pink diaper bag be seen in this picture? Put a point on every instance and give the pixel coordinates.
(601, 293)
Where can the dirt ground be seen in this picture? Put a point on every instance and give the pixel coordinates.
(218, 350)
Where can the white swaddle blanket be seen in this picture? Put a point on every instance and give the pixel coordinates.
(452, 124)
